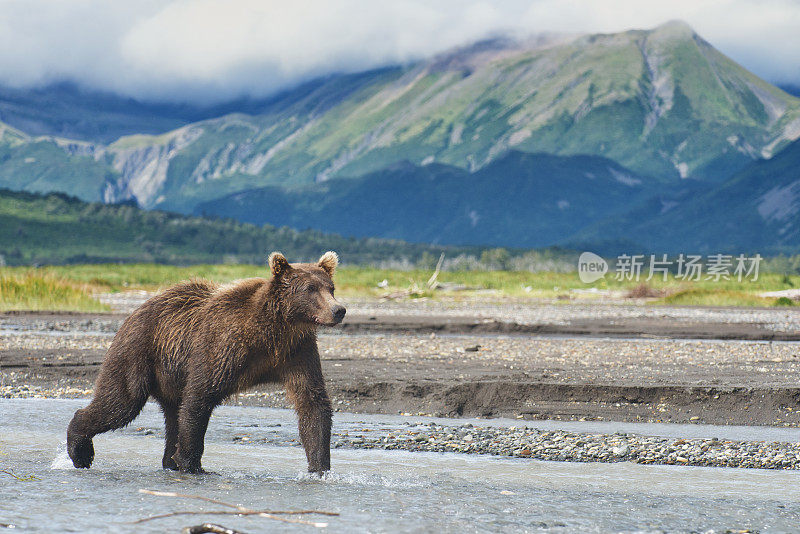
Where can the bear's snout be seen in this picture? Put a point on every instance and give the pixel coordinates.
(338, 312)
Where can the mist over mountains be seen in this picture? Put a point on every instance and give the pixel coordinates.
(586, 140)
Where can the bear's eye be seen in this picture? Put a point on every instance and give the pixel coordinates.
(311, 289)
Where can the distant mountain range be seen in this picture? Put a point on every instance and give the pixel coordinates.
(540, 199)
(758, 210)
(592, 139)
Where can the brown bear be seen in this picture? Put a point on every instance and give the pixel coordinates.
(197, 343)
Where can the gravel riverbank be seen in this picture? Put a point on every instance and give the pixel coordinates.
(599, 312)
(561, 445)
(577, 447)
(441, 358)
(527, 377)
(539, 312)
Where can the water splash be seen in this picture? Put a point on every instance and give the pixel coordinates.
(62, 460)
(361, 479)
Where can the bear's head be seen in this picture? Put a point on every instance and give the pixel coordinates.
(305, 290)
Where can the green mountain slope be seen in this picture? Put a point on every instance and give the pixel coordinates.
(527, 200)
(758, 210)
(55, 228)
(453, 149)
(44, 164)
(663, 103)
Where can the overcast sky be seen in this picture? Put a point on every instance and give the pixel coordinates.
(213, 50)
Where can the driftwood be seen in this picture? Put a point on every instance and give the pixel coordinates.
(209, 527)
(236, 510)
(432, 280)
(21, 478)
(415, 290)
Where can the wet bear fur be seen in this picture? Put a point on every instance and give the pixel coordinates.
(197, 343)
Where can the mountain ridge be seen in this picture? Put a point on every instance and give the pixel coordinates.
(662, 102)
(543, 198)
(662, 105)
(755, 211)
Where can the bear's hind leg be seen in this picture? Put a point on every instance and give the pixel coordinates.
(171, 436)
(193, 416)
(113, 406)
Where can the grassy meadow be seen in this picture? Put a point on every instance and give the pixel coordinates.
(72, 287)
(29, 290)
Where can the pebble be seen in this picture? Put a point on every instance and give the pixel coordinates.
(559, 445)
(577, 360)
(19, 391)
(523, 312)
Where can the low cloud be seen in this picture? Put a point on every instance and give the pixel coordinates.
(205, 50)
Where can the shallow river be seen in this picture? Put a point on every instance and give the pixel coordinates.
(374, 491)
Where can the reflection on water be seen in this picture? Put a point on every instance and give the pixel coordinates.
(375, 491)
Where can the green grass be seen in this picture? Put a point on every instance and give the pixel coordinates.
(29, 290)
(141, 140)
(70, 287)
(720, 297)
(149, 276)
(349, 280)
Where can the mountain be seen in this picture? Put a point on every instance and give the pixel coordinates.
(489, 143)
(757, 210)
(65, 110)
(519, 200)
(662, 103)
(56, 228)
(68, 111)
(43, 164)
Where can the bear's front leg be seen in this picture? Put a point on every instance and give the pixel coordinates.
(306, 389)
(193, 416)
(314, 422)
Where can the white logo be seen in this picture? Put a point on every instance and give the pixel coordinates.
(591, 267)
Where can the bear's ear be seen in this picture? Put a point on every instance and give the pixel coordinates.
(328, 262)
(278, 264)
